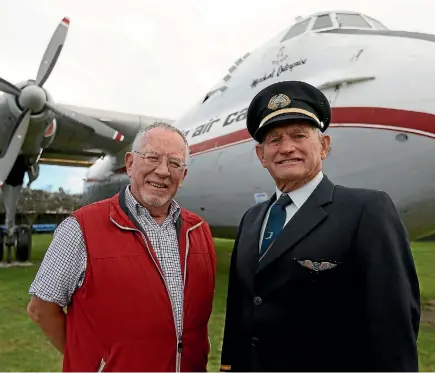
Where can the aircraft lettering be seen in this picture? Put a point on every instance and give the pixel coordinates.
(199, 130)
(281, 69)
(262, 79)
(230, 119)
(185, 132)
(235, 117)
(211, 124)
(290, 67)
(204, 128)
(241, 115)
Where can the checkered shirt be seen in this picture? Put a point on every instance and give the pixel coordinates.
(63, 267)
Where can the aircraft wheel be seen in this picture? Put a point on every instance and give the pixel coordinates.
(24, 243)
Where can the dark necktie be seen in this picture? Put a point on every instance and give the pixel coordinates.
(275, 222)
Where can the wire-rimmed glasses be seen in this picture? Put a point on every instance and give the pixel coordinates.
(154, 159)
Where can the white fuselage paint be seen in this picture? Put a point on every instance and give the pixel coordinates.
(395, 72)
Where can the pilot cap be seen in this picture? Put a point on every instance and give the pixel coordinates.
(284, 102)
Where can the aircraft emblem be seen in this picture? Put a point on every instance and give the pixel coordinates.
(278, 101)
(281, 56)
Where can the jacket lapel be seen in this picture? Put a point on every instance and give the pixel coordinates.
(308, 217)
(248, 245)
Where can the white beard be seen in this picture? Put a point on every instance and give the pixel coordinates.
(153, 200)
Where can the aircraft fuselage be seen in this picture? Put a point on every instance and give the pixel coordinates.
(383, 127)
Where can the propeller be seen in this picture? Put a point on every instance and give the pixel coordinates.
(9, 154)
(33, 99)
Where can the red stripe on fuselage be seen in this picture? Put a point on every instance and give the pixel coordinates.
(412, 120)
(400, 119)
(359, 117)
(218, 142)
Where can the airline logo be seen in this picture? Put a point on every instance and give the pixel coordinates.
(281, 56)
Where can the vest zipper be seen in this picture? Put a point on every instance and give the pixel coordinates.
(179, 350)
(179, 335)
(180, 342)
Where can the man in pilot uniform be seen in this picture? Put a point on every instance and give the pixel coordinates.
(322, 276)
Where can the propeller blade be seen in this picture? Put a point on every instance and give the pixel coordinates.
(52, 52)
(10, 154)
(97, 126)
(7, 87)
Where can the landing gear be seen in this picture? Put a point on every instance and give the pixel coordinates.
(18, 245)
(9, 244)
(24, 243)
(16, 242)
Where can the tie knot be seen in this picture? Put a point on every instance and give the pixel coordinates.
(284, 200)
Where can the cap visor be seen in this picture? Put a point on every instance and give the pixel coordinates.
(284, 119)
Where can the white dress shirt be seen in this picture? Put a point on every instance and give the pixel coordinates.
(298, 196)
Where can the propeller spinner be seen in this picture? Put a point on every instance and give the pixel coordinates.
(33, 99)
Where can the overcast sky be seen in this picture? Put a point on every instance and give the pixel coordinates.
(159, 57)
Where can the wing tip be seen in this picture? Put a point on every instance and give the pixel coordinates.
(65, 20)
(118, 136)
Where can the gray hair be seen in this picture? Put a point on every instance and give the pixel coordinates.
(142, 133)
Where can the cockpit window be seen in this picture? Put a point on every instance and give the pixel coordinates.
(323, 21)
(297, 29)
(351, 20)
(376, 24)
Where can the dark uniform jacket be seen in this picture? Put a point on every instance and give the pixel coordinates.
(337, 291)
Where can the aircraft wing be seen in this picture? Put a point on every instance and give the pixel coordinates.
(76, 145)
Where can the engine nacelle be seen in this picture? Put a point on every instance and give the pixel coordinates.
(49, 133)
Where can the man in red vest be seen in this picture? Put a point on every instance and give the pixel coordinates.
(135, 271)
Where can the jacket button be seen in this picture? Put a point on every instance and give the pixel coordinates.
(254, 341)
(257, 301)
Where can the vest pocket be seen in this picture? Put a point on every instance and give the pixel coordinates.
(157, 354)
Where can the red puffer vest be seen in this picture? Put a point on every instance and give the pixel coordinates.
(121, 319)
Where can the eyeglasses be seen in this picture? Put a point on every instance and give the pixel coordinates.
(154, 160)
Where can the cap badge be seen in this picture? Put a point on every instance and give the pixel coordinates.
(278, 101)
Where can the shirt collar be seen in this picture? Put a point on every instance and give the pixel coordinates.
(300, 195)
(174, 209)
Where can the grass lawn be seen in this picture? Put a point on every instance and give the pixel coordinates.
(24, 348)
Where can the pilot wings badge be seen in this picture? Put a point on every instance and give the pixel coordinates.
(317, 266)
